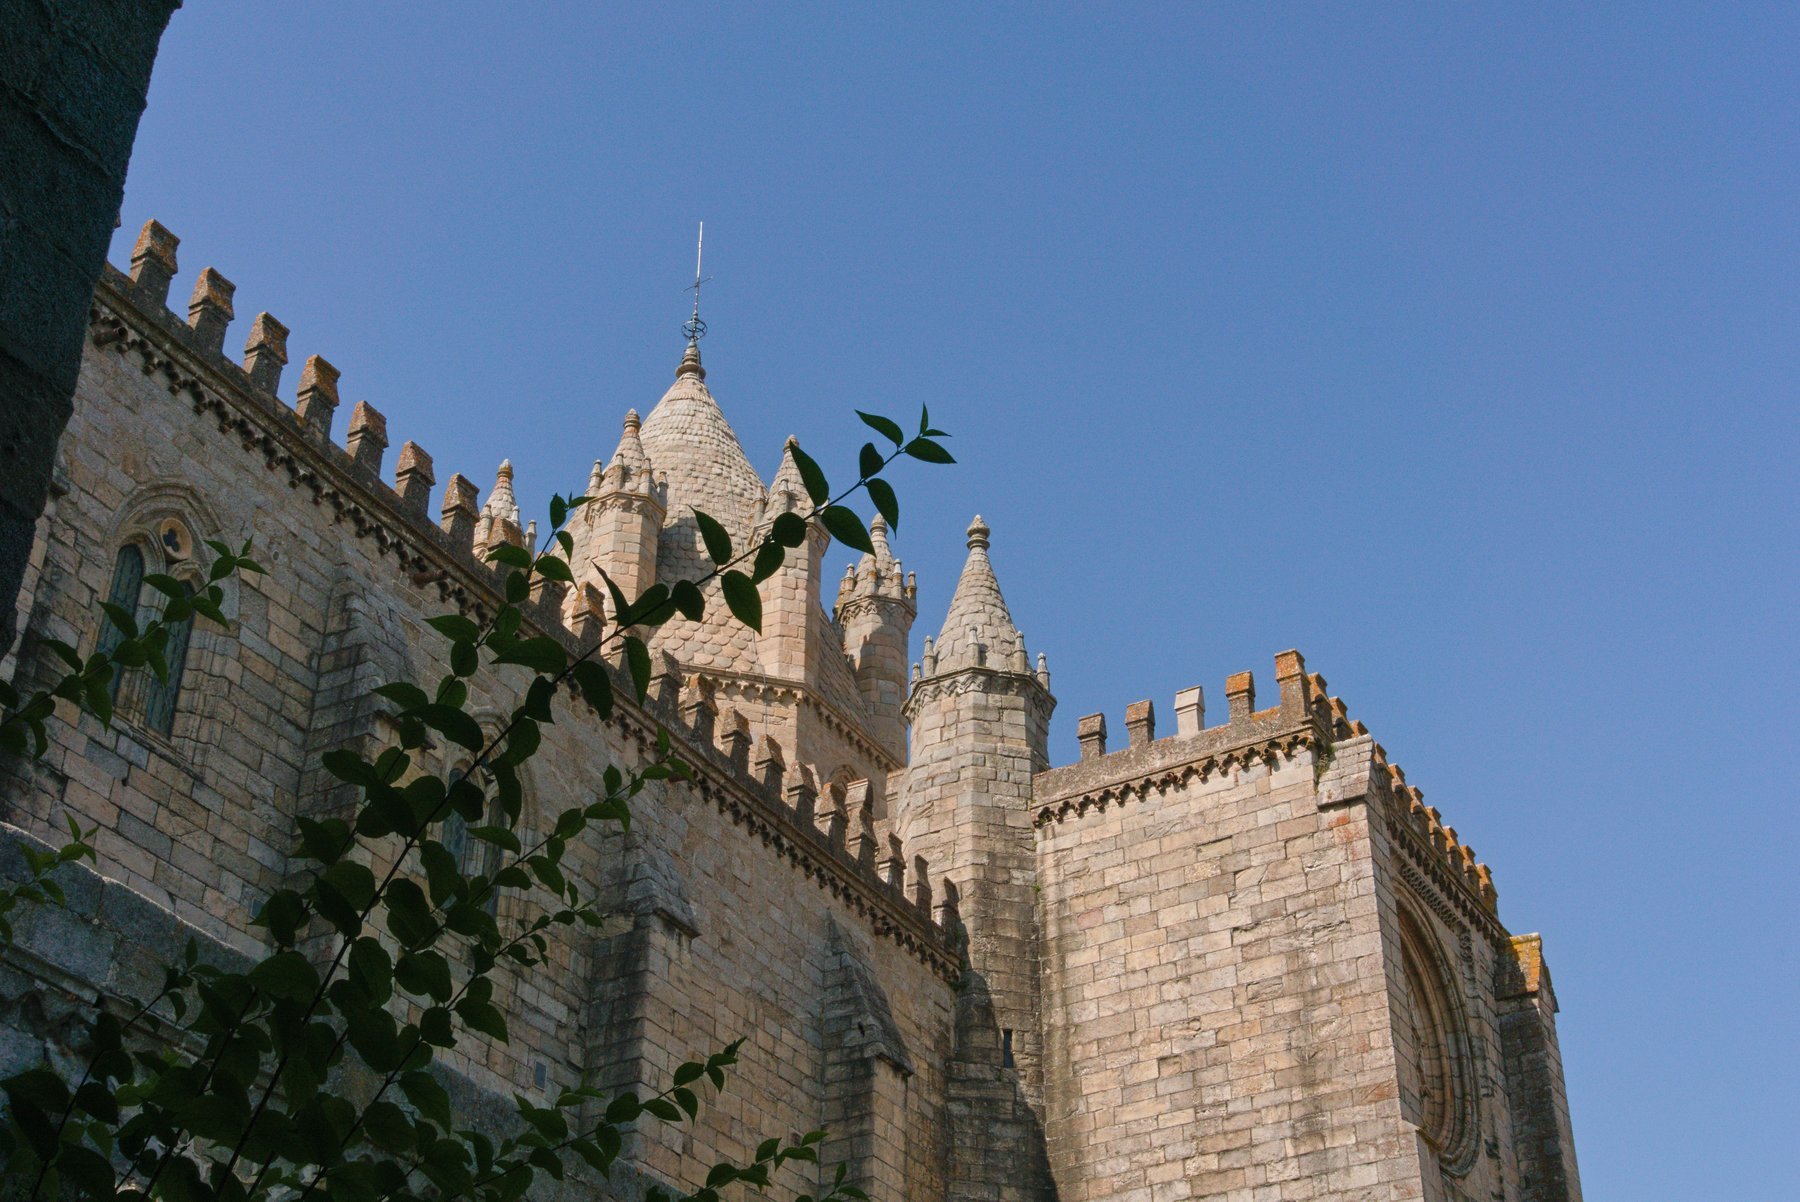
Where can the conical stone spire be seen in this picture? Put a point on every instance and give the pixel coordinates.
(787, 492)
(978, 631)
(500, 516)
(702, 466)
(630, 466)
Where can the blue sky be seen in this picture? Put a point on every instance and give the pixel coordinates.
(1453, 346)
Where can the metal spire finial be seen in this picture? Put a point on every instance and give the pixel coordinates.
(694, 328)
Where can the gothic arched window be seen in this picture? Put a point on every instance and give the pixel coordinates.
(160, 543)
(126, 589)
(160, 695)
(474, 857)
(1439, 1039)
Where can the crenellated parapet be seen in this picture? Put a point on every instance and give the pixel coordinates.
(1306, 718)
(1101, 779)
(1434, 849)
(830, 837)
(777, 806)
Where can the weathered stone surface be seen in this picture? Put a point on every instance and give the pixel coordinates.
(1236, 962)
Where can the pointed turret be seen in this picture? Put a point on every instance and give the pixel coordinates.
(499, 522)
(876, 605)
(978, 631)
(619, 529)
(787, 492)
(980, 720)
(791, 609)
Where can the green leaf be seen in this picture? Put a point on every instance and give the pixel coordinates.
(517, 587)
(121, 617)
(816, 486)
(559, 511)
(442, 873)
(350, 768)
(454, 725)
(689, 600)
(464, 659)
(540, 653)
(388, 1127)
(718, 543)
(455, 626)
(351, 880)
(68, 654)
(482, 1017)
(653, 608)
(637, 656)
(929, 451)
(404, 694)
(99, 700)
(887, 428)
(423, 1091)
(869, 462)
(886, 503)
(554, 567)
(742, 597)
(511, 556)
(620, 605)
(788, 529)
(538, 696)
(769, 558)
(623, 1108)
(847, 528)
(595, 684)
(282, 914)
(435, 1028)
(522, 743)
(424, 974)
(372, 969)
(409, 917)
(499, 836)
(287, 976)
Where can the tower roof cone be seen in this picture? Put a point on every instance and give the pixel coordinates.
(978, 631)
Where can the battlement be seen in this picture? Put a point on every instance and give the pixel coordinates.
(1306, 716)
(1249, 735)
(1432, 843)
(835, 846)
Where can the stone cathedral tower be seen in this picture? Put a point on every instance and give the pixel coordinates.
(1237, 959)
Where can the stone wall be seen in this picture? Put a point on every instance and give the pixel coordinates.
(1270, 971)
(1214, 986)
(733, 913)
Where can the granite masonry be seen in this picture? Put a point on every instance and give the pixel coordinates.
(1241, 960)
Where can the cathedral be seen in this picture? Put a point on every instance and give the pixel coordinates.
(1223, 954)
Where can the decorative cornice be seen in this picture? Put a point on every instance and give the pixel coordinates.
(1445, 892)
(979, 680)
(755, 686)
(804, 846)
(1100, 795)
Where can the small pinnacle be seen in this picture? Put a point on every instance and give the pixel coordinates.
(506, 469)
(978, 534)
(632, 421)
(690, 363)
